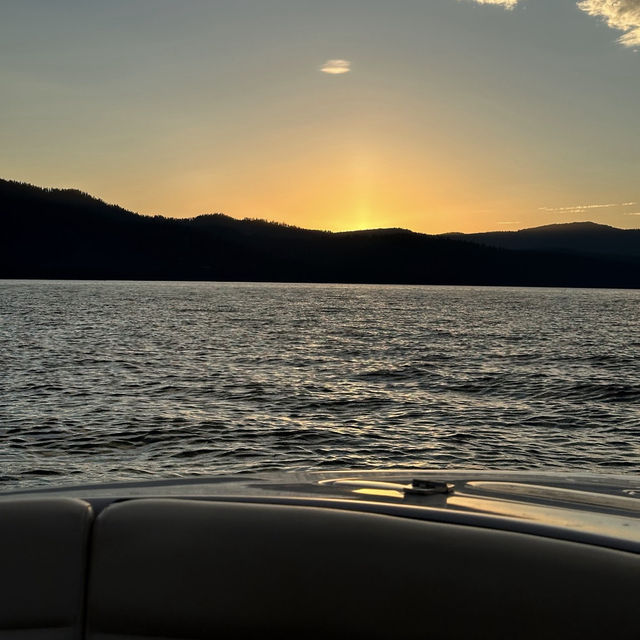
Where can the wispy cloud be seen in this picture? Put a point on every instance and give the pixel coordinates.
(623, 15)
(507, 4)
(336, 67)
(635, 213)
(579, 208)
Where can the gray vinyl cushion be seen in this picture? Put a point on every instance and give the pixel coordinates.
(43, 554)
(189, 569)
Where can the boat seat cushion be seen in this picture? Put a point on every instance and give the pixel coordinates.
(43, 554)
(196, 569)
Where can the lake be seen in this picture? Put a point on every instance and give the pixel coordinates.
(121, 380)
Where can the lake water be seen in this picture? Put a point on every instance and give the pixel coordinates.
(120, 380)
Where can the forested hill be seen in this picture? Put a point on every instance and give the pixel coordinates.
(53, 233)
(574, 237)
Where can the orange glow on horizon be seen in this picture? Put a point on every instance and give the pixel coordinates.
(346, 180)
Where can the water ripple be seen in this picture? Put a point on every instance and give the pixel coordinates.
(105, 381)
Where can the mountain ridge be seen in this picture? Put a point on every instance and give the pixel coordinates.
(66, 233)
(578, 237)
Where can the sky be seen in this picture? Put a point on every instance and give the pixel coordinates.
(431, 115)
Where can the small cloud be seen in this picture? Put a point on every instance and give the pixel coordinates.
(623, 15)
(635, 213)
(507, 4)
(336, 67)
(507, 222)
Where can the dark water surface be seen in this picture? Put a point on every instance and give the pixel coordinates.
(118, 380)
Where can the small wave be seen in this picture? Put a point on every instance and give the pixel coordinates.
(601, 392)
(42, 472)
(191, 453)
(391, 373)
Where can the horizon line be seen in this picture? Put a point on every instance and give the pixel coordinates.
(293, 226)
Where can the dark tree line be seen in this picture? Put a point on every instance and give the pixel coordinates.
(54, 233)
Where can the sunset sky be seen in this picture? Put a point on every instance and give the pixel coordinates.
(433, 115)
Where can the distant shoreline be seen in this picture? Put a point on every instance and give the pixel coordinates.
(68, 235)
(303, 284)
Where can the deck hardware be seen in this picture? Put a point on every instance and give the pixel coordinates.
(427, 488)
